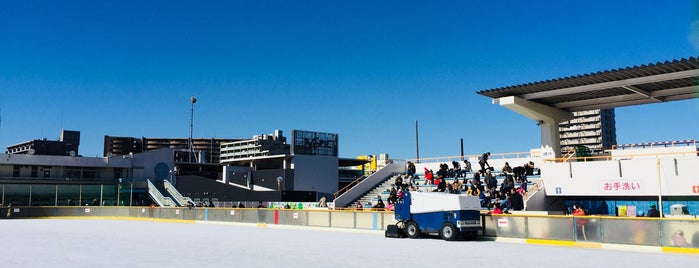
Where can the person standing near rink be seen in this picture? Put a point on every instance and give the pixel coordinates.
(578, 210)
(653, 212)
(483, 161)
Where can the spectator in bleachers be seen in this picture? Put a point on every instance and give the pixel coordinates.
(507, 169)
(456, 186)
(467, 166)
(392, 196)
(379, 204)
(399, 182)
(497, 209)
(522, 185)
(442, 172)
(516, 200)
(490, 182)
(411, 168)
(483, 161)
(476, 180)
(519, 173)
(507, 185)
(412, 179)
(457, 169)
(429, 176)
(473, 191)
(442, 186)
(359, 206)
(529, 168)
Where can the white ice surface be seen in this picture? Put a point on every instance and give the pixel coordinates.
(115, 243)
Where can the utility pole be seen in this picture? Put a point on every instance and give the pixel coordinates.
(192, 100)
(417, 145)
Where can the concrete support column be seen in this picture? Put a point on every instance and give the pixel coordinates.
(545, 116)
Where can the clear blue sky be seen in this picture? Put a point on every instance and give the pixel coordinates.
(366, 70)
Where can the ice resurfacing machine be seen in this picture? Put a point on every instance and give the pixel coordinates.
(451, 216)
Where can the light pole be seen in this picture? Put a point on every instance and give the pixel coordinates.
(118, 191)
(192, 100)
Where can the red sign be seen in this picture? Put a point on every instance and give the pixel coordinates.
(695, 189)
(621, 186)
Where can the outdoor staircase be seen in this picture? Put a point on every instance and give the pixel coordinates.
(371, 196)
(181, 200)
(158, 197)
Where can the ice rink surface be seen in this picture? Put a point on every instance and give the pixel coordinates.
(124, 243)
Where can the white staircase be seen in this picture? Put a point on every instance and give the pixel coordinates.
(371, 196)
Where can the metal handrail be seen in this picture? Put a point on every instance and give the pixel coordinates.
(158, 196)
(535, 189)
(179, 198)
(610, 157)
(569, 154)
(460, 158)
(350, 185)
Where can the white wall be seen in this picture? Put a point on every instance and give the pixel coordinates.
(639, 177)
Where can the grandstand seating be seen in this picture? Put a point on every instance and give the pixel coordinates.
(383, 190)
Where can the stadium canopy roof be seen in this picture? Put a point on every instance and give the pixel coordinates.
(553, 101)
(652, 83)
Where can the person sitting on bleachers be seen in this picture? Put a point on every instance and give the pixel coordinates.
(429, 176)
(467, 166)
(507, 185)
(456, 186)
(437, 180)
(442, 186)
(457, 169)
(476, 180)
(529, 168)
(442, 172)
(507, 169)
(497, 209)
(393, 196)
(516, 200)
(473, 191)
(399, 182)
(379, 204)
(491, 182)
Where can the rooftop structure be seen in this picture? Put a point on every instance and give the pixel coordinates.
(206, 150)
(551, 102)
(66, 145)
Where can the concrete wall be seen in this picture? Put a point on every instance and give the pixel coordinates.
(315, 173)
(153, 165)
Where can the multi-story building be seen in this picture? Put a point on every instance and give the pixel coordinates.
(66, 145)
(594, 129)
(258, 146)
(205, 150)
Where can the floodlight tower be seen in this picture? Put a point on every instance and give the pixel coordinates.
(192, 100)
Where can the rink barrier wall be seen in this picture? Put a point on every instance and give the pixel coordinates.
(606, 232)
